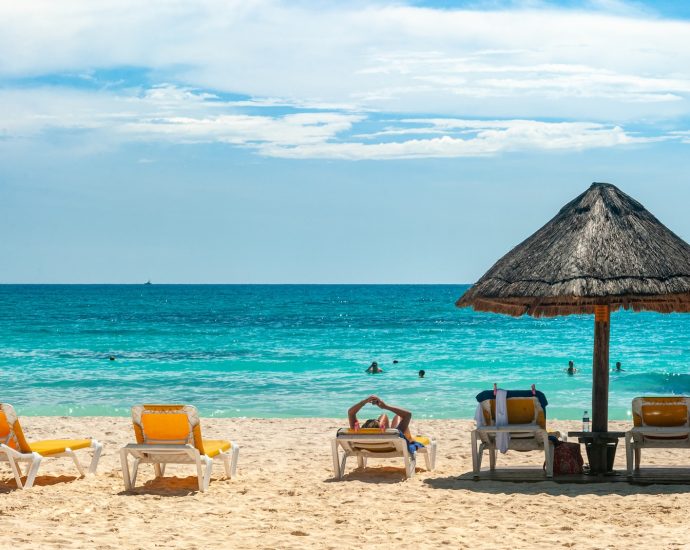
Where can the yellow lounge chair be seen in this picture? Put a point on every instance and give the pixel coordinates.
(526, 428)
(15, 449)
(171, 434)
(374, 443)
(659, 422)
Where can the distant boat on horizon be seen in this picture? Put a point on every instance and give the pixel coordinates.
(148, 282)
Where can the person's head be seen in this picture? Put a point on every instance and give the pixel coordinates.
(371, 423)
(618, 365)
(570, 364)
(422, 373)
(395, 361)
(374, 364)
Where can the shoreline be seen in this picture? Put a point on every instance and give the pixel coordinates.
(284, 496)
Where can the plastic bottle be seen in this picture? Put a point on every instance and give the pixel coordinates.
(585, 422)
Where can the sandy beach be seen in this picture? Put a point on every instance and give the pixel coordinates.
(285, 497)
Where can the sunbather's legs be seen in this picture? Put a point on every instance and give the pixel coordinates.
(384, 422)
(396, 424)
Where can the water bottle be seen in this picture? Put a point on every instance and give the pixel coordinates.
(585, 422)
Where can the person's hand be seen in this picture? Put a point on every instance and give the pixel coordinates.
(373, 399)
(380, 404)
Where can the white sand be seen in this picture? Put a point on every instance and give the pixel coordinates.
(285, 497)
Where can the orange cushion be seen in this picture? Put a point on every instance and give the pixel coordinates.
(49, 447)
(213, 447)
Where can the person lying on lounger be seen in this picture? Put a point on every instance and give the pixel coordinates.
(401, 421)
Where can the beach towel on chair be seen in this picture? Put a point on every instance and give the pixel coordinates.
(502, 438)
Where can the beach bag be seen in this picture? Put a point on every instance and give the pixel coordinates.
(567, 458)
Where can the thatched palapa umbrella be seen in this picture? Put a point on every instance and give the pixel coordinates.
(603, 251)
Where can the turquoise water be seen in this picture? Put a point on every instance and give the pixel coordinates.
(266, 351)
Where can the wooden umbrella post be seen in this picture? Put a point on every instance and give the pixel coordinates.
(600, 386)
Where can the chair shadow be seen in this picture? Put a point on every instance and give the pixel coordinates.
(560, 487)
(378, 475)
(168, 486)
(7, 486)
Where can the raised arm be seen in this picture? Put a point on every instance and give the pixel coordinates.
(352, 411)
(404, 414)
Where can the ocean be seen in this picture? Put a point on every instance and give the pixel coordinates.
(302, 350)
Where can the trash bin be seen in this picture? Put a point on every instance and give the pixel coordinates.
(610, 452)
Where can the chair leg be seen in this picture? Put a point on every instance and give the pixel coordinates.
(124, 464)
(629, 454)
(343, 460)
(135, 470)
(207, 473)
(97, 450)
(16, 470)
(336, 459)
(492, 457)
(157, 470)
(360, 461)
(638, 458)
(476, 457)
(235, 458)
(75, 459)
(200, 473)
(33, 470)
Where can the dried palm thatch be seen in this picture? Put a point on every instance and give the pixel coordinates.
(602, 248)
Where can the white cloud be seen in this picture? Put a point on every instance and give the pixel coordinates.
(486, 81)
(178, 115)
(608, 64)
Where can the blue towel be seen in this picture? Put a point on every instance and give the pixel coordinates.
(412, 446)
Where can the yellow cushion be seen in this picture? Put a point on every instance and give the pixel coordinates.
(49, 447)
(166, 426)
(213, 447)
(421, 439)
(365, 431)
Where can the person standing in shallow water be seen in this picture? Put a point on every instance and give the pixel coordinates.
(374, 368)
(571, 368)
(618, 366)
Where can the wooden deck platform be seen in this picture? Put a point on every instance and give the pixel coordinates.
(651, 475)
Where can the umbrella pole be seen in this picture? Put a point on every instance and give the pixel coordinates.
(600, 383)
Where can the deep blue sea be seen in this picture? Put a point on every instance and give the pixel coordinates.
(282, 351)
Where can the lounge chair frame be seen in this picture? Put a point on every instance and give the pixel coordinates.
(15, 450)
(531, 437)
(161, 454)
(523, 437)
(643, 436)
(390, 445)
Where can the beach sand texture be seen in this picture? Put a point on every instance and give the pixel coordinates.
(285, 497)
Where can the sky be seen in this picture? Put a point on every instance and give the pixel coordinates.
(222, 141)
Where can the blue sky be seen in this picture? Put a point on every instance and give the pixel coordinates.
(327, 142)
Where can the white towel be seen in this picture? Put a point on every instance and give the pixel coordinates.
(502, 438)
(479, 416)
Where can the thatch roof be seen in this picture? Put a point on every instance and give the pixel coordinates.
(602, 248)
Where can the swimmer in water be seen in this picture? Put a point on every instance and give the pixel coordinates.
(374, 368)
(422, 373)
(571, 368)
(618, 366)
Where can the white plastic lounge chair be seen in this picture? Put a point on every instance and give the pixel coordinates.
(15, 450)
(171, 434)
(526, 428)
(659, 422)
(374, 443)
